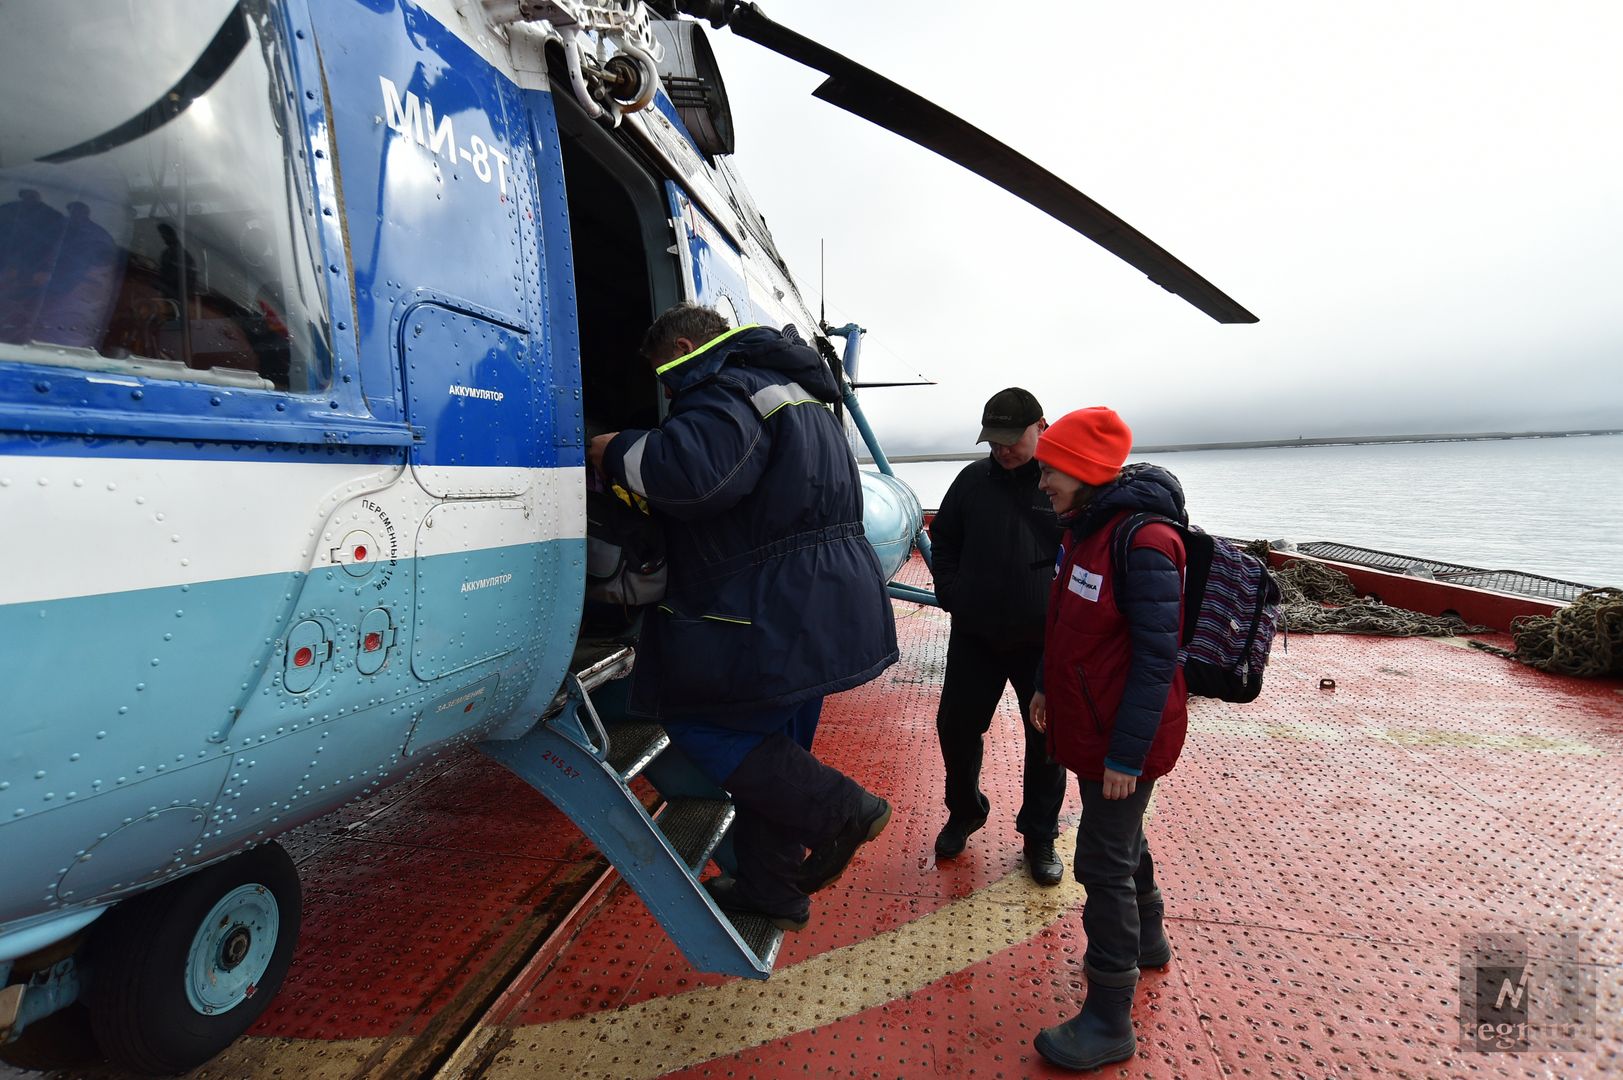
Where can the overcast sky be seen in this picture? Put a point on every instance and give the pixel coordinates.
(1422, 201)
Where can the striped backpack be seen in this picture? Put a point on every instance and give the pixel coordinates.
(1230, 610)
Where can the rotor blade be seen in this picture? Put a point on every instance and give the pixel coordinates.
(875, 98)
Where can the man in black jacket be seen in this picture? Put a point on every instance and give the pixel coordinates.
(994, 542)
(774, 597)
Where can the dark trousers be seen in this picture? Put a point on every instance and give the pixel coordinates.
(1113, 862)
(718, 745)
(787, 800)
(976, 673)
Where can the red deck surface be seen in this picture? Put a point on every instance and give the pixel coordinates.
(1323, 853)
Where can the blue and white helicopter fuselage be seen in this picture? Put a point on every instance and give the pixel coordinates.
(307, 312)
(292, 410)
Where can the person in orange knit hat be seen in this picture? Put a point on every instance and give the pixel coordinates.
(1112, 701)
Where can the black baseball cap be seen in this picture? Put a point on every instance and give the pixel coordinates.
(1008, 415)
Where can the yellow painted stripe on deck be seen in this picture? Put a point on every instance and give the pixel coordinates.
(308, 1059)
(665, 1034)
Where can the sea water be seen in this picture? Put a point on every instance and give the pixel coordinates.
(1551, 506)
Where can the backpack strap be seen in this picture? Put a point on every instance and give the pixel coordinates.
(1266, 595)
(1122, 540)
(1121, 543)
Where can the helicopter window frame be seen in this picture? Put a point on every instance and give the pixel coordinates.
(78, 393)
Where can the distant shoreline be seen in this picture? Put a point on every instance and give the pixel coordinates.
(1275, 444)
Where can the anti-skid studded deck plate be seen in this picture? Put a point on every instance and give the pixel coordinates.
(1329, 858)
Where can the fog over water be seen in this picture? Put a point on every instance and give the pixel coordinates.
(1419, 201)
(1544, 506)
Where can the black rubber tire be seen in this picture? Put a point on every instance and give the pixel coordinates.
(137, 961)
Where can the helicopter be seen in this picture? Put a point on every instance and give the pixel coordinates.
(307, 311)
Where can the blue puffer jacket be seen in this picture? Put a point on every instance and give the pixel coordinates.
(774, 595)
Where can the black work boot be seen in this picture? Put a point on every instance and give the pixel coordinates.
(950, 841)
(1041, 861)
(1102, 1032)
(1154, 950)
(826, 862)
(729, 895)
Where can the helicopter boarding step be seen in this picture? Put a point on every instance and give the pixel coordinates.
(585, 767)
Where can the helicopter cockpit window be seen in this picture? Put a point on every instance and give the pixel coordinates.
(155, 209)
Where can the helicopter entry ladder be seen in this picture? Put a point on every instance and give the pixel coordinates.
(585, 767)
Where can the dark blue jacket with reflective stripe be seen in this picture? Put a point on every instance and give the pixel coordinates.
(774, 594)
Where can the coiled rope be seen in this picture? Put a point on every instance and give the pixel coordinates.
(1306, 588)
(1584, 638)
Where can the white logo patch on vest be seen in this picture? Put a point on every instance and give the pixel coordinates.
(1084, 584)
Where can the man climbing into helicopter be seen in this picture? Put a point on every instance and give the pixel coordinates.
(775, 599)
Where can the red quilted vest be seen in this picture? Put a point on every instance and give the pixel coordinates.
(1087, 652)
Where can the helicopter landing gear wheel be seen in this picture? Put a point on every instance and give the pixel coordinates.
(178, 973)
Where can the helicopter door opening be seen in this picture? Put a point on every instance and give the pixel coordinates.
(625, 275)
